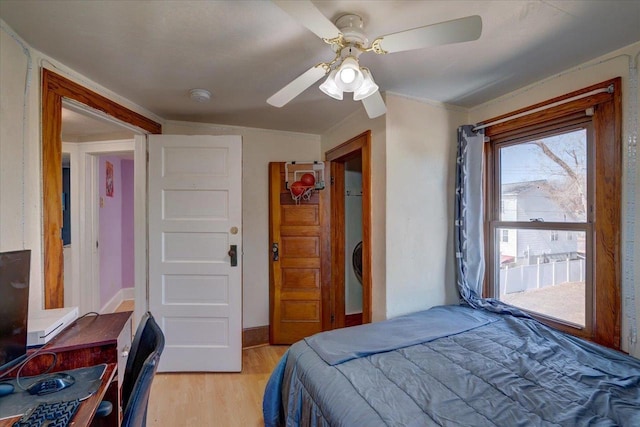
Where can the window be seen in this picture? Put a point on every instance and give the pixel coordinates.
(551, 175)
(547, 176)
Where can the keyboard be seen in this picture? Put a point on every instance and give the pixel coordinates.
(57, 414)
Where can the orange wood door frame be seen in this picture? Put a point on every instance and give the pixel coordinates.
(54, 89)
(359, 146)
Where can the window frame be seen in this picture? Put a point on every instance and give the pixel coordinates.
(604, 112)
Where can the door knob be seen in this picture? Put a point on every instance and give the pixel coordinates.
(233, 254)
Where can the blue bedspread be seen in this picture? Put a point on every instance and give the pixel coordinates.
(506, 371)
(340, 345)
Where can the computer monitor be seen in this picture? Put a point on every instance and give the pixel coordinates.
(14, 306)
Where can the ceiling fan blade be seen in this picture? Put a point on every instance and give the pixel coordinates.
(455, 31)
(309, 16)
(297, 86)
(374, 105)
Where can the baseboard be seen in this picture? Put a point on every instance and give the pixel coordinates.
(128, 293)
(122, 295)
(353, 319)
(252, 337)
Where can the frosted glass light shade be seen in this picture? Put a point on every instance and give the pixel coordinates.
(367, 88)
(330, 88)
(349, 77)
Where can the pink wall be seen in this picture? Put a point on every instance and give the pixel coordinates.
(116, 228)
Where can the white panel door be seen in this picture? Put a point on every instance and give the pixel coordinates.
(195, 217)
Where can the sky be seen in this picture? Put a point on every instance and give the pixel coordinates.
(527, 162)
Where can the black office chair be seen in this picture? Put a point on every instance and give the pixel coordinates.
(142, 364)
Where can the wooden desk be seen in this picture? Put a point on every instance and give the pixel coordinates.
(88, 407)
(89, 341)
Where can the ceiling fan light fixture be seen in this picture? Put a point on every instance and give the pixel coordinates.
(330, 87)
(348, 77)
(367, 88)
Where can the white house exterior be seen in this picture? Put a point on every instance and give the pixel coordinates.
(533, 201)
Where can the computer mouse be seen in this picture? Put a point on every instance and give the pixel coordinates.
(5, 389)
(51, 383)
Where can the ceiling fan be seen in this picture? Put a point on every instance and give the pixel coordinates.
(348, 42)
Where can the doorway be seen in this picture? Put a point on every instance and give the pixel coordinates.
(353, 241)
(115, 231)
(351, 230)
(56, 90)
(83, 201)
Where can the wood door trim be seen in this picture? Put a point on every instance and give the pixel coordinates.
(326, 258)
(337, 233)
(54, 88)
(360, 145)
(347, 150)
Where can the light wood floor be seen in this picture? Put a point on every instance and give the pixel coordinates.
(126, 305)
(212, 399)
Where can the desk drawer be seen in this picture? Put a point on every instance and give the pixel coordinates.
(124, 346)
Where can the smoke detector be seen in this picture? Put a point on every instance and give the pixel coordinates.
(200, 95)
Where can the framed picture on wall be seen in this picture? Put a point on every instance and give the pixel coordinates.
(109, 182)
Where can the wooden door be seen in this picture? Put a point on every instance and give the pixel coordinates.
(300, 274)
(195, 247)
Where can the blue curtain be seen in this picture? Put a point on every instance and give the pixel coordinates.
(469, 223)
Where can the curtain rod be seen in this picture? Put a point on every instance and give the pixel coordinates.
(608, 89)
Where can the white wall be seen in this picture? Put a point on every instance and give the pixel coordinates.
(350, 127)
(614, 64)
(259, 147)
(420, 171)
(19, 161)
(413, 158)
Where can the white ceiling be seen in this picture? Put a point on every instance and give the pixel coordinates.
(78, 126)
(153, 52)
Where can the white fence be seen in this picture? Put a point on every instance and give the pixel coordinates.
(528, 277)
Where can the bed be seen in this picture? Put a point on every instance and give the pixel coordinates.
(454, 366)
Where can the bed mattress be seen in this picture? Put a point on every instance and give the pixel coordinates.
(452, 366)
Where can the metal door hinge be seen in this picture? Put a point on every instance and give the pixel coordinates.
(332, 181)
(333, 318)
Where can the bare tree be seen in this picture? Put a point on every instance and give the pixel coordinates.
(570, 189)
